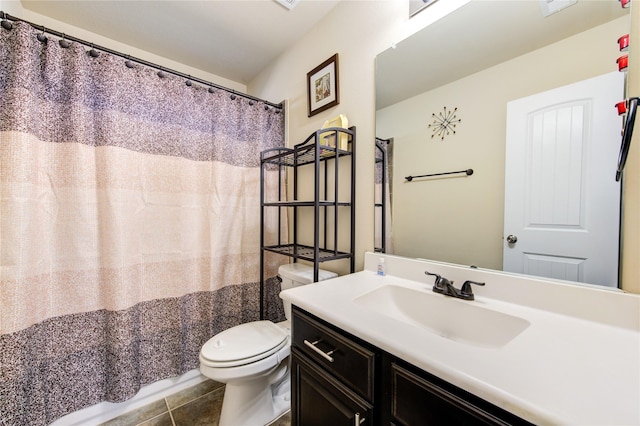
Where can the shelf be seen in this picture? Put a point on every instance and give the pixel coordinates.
(307, 204)
(321, 214)
(305, 152)
(306, 155)
(306, 252)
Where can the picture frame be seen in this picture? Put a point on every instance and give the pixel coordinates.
(323, 86)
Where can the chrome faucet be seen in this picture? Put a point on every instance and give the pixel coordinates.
(444, 286)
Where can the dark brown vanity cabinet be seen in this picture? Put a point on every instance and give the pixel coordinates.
(332, 376)
(338, 379)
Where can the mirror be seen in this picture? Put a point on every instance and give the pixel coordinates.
(441, 96)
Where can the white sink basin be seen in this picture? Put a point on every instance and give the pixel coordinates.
(462, 321)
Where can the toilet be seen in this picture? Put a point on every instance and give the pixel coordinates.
(252, 359)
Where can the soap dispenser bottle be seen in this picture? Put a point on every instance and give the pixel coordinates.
(381, 267)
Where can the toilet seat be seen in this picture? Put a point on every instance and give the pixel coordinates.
(244, 344)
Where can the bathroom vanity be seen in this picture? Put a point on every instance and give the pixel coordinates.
(369, 349)
(340, 379)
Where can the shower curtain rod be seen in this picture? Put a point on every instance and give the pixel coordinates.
(189, 78)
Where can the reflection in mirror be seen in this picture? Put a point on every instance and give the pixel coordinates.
(382, 195)
(474, 63)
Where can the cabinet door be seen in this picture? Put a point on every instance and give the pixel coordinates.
(352, 363)
(319, 400)
(418, 401)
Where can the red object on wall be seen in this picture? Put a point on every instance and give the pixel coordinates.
(621, 107)
(623, 62)
(625, 3)
(623, 42)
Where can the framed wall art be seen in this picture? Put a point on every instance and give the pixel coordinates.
(322, 86)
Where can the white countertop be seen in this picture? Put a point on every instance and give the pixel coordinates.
(578, 362)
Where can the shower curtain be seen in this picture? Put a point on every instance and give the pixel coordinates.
(382, 194)
(129, 224)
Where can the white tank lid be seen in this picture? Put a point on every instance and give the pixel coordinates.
(303, 273)
(244, 342)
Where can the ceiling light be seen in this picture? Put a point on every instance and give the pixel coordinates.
(552, 6)
(289, 4)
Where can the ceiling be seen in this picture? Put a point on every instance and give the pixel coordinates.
(477, 36)
(234, 39)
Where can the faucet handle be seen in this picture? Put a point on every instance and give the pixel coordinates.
(441, 284)
(438, 277)
(466, 292)
(440, 281)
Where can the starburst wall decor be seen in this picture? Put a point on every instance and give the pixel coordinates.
(444, 123)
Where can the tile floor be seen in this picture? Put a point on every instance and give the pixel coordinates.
(198, 405)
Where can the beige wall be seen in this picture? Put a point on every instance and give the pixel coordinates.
(357, 31)
(460, 220)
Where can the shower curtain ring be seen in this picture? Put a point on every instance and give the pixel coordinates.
(93, 52)
(6, 24)
(42, 37)
(129, 63)
(64, 43)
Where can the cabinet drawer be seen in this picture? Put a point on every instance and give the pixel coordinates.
(418, 401)
(347, 360)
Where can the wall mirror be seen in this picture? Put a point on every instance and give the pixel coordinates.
(442, 97)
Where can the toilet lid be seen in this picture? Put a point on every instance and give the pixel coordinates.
(244, 341)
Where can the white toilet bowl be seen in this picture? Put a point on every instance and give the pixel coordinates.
(252, 360)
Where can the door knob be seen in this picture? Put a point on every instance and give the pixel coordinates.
(512, 239)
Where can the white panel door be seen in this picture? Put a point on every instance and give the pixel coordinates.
(562, 202)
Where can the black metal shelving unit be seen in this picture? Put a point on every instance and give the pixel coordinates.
(328, 205)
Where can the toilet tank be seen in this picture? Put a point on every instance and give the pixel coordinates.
(297, 274)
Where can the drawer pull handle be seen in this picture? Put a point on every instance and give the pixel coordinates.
(358, 420)
(325, 355)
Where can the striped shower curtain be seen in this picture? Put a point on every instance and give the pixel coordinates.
(129, 224)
